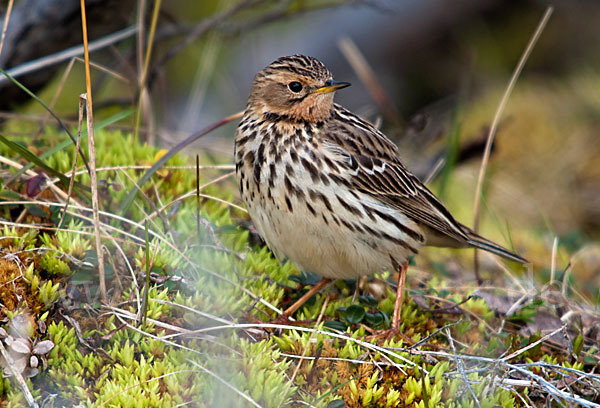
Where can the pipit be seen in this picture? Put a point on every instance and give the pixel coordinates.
(327, 190)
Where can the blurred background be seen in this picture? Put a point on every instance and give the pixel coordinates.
(437, 72)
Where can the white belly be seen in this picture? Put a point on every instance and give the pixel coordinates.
(326, 249)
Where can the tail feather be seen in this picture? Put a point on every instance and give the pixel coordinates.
(482, 243)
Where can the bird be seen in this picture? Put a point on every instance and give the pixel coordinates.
(327, 190)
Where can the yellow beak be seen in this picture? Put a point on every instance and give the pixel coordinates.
(331, 86)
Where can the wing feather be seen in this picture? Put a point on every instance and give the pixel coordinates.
(375, 168)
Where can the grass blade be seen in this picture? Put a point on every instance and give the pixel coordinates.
(174, 150)
(32, 158)
(66, 143)
(54, 115)
(147, 287)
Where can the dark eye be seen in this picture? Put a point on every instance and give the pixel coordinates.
(295, 86)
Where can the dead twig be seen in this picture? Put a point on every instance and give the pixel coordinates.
(5, 25)
(72, 177)
(92, 152)
(461, 369)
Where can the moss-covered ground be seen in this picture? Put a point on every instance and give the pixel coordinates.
(521, 340)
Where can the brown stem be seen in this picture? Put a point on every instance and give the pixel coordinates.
(298, 303)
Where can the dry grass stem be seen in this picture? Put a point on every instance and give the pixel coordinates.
(52, 103)
(368, 78)
(553, 260)
(131, 272)
(228, 203)
(94, 187)
(192, 310)
(461, 369)
(308, 343)
(194, 193)
(496, 122)
(141, 35)
(532, 345)
(226, 383)
(59, 193)
(146, 167)
(68, 54)
(5, 25)
(72, 178)
(144, 73)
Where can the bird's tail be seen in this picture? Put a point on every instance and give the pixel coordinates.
(480, 242)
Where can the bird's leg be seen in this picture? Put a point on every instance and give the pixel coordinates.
(394, 331)
(284, 317)
(399, 292)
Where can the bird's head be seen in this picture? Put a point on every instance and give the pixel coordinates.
(297, 86)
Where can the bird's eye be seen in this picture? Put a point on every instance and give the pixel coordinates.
(295, 86)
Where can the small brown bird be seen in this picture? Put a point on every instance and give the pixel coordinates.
(327, 190)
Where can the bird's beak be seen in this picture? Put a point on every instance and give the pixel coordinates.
(331, 86)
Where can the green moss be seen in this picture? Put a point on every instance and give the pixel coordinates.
(53, 265)
(197, 286)
(66, 241)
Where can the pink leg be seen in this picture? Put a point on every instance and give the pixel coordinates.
(399, 293)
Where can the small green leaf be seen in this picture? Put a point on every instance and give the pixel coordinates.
(463, 327)
(306, 279)
(297, 278)
(229, 229)
(171, 285)
(444, 293)
(386, 318)
(37, 211)
(336, 404)
(311, 279)
(578, 344)
(368, 301)
(109, 271)
(335, 325)
(91, 257)
(374, 319)
(8, 195)
(440, 268)
(56, 215)
(32, 158)
(158, 270)
(589, 359)
(353, 314)
(527, 312)
(83, 275)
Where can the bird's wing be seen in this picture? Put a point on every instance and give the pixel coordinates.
(375, 169)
